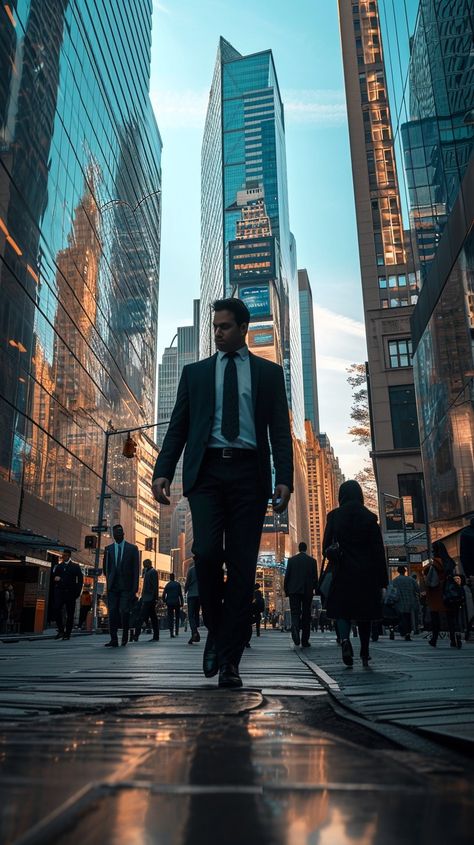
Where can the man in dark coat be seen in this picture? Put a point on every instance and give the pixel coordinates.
(191, 588)
(466, 550)
(359, 569)
(300, 581)
(173, 598)
(149, 597)
(227, 408)
(121, 568)
(68, 580)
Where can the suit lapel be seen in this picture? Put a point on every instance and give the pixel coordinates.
(211, 380)
(254, 375)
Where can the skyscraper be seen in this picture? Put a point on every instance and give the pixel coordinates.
(247, 247)
(389, 280)
(308, 349)
(434, 103)
(246, 243)
(79, 261)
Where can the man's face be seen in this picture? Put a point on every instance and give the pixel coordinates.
(118, 533)
(227, 334)
(65, 557)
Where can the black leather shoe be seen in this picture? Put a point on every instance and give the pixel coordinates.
(347, 653)
(196, 638)
(295, 634)
(111, 644)
(67, 637)
(210, 666)
(59, 635)
(306, 645)
(154, 640)
(229, 676)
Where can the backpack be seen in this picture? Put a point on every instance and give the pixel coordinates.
(392, 596)
(453, 593)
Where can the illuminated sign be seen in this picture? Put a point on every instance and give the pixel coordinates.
(257, 300)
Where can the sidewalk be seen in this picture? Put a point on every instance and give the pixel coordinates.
(408, 684)
(136, 747)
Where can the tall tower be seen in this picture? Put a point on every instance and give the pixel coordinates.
(389, 282)
(308, 350)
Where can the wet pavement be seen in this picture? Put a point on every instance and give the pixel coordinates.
(201, 765)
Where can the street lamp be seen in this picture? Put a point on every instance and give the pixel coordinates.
(100, 528)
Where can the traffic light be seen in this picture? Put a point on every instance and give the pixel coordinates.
(129, 447)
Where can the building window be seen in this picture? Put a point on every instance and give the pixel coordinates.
(403, 415)
(400, 353)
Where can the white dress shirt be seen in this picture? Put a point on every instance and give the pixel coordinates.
(247, 438)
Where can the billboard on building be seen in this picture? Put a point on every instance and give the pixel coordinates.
(257, 299)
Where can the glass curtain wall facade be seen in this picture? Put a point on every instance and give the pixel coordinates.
(80, 181)
(432, 87)
(308, 350)
(389, 278)
(245, 199)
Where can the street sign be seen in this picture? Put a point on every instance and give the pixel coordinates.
(99, 529)
(91, 572)
(410, 538)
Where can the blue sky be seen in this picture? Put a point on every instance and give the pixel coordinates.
(307, 54)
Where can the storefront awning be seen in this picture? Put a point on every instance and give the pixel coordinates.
(24, 540)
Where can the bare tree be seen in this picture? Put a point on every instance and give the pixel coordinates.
(360, 431)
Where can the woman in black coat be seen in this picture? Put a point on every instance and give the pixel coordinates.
(359, 573)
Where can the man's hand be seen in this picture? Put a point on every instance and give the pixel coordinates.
(281, 497)
(161, 490)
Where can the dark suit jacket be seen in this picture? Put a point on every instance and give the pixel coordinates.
(173, 594)
(130, 567)
(71, 576)
(301, 575)
(193, 414)
(150, 585)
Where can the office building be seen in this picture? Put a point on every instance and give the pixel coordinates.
(173, 360)
(308, 350)
(389, 276)
(247, 248)
(80, 181)
(435, 102)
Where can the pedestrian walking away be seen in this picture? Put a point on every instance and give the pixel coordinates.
(148, 600)
(173, 598)
(353, 544)
(227, 408)
(191, 589)
(300, 582)
(439, 575)
(407, 601)
(121, 568)
(68, 580)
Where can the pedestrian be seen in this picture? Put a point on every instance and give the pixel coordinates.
(417, 615)
(173, 598)
(408, 601)
(353, 542)
(301, 578)
(258, 607)
(67, 580)
(84, 607)
(227, 407)
(466, 549)
(191, 589)
(148, 600)
(444, 568)
(121, 568)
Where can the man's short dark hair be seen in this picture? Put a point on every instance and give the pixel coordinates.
(147, 560)
(171, 576)
(302, 547)
(401, 569)
(236, 307)
(118, 525)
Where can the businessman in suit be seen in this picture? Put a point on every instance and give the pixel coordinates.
(227, 408)
(121, 568)
(68, 581)
(300, 582)
(149, 598)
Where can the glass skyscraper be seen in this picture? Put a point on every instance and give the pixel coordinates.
(80, 181)
(433, 96)
(246, 244)
(308, 349)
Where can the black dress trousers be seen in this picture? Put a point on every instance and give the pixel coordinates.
(228, 507)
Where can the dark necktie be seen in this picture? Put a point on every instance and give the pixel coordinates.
(230, 426)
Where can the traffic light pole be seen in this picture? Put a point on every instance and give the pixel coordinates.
(100, 528)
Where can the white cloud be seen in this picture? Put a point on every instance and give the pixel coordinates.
(322, 107)
(180, 109)
(186, 108)
(335, 323)
(160, 7)
(330, 362)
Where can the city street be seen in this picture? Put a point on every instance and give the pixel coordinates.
(135, 746)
